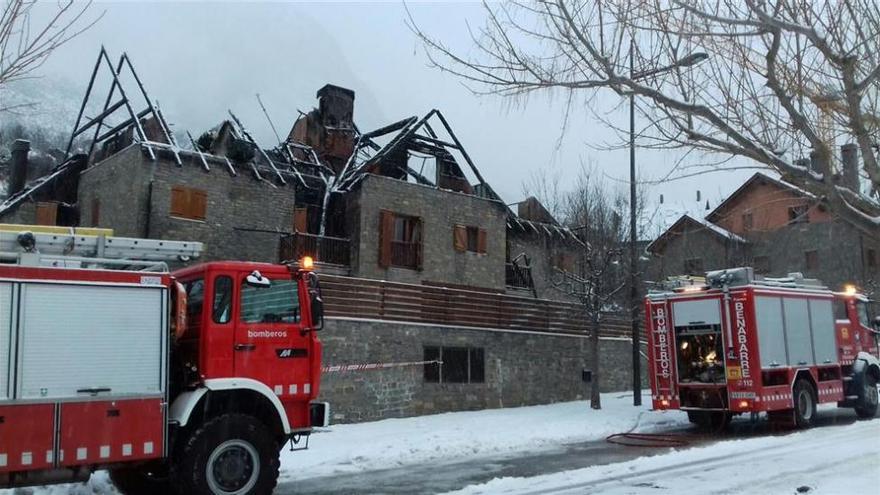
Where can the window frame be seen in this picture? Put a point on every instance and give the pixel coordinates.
(689, 263)
(798, 214)
(811, 259)
(475, 369)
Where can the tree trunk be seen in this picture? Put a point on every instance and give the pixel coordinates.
(595, 399)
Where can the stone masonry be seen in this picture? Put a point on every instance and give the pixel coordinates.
(521, 368)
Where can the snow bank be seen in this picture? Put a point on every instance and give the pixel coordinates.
(827, 460)
(461, 435)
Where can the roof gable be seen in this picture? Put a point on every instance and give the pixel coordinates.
(758, 178)
(660, 242)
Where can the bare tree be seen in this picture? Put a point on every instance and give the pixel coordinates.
(27, 42)
(594, 211)
(783, 78)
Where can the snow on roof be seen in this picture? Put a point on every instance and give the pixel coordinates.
(709, 226)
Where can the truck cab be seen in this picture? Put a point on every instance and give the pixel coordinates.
(245, 356)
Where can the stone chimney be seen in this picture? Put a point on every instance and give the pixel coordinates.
(816, 163)
(849, 161)
(19, 170)
(336, 105)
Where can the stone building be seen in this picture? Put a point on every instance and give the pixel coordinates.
(403, 204)
(778, 229)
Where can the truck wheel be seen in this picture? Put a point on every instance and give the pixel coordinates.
(233, 454)
(804, 404)
(146, 479)
(866, 406)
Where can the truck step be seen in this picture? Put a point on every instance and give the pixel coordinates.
(852, 397)
(847, 378)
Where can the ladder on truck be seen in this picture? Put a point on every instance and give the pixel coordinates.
(64, 247)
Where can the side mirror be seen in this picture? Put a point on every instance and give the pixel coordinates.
(317, 302)
(317, 310)
(256, 279)
(877, 323)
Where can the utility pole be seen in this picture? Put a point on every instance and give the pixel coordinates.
(633, 238)
(634, 300)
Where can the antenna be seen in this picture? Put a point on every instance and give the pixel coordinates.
(268, 118)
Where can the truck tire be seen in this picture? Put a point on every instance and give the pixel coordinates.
(232, 454)
(146, 479)
(804, 404)
(866, 405)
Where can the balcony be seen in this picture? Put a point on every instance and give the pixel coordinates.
(406, 254)
(322, 249)
(519, 277)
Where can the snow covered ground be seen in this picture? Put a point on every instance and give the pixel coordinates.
(828, 459)
(825, 460)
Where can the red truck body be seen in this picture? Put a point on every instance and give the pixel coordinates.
(745, 345)
(125, 370)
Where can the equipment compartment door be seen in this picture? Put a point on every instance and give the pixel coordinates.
(27, 433)
(101, 432)
(7, 324)
(270, 345)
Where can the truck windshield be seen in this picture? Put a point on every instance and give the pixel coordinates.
(277, 303)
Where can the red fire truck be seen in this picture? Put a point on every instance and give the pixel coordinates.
(192, 380)
(737, 343)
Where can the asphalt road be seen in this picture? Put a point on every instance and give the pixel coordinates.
(454, 475)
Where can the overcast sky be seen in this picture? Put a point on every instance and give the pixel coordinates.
(200, 59)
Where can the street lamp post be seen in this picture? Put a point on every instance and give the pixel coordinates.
(635, 302)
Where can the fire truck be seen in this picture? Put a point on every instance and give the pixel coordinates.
(189, 381)
(734, 343)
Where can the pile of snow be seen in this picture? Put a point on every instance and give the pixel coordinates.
(354, 448)
(828, 460)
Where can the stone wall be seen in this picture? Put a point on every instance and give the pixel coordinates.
(521, 368)
(135, 201)
(241, 215)
(439, 211)
(121, 185)
(696, 242)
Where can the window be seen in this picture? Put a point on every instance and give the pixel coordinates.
(195, 296)
(762, 265)
(471, 239)
(459, 365)
(47, 213)
(400, 240)
(693, 266)
(862, 310)
(798, 214)
(278, 303)
(811, 259)
(748, 221)
(222, 307)
(871, 258)
(187, 202)
(840, 309)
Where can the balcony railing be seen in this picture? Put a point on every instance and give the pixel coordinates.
(322, 249)
(518, 276)
(406, 254)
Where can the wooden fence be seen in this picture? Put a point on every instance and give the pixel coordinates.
(377, 299)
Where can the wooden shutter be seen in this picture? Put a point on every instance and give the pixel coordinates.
(96, 212)
(481, 241)
(301, 219)
(47, 213)
(386, 232)
(459, 237)
(189, 203)
(198, 204)
(179, 201)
